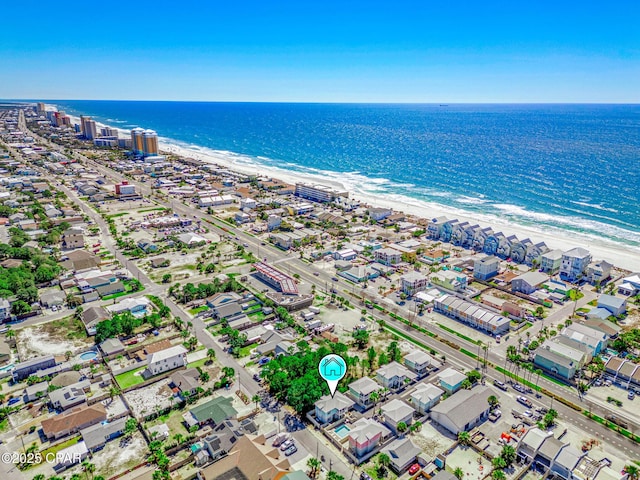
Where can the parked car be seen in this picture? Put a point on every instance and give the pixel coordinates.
(264, 361)
(519, 388)
(335, 279)
(286, 444)
(501, 385)
(280, 438)
(291, 450)
(413, 469)
(631, 395)
(13, 401)
(525, 401)
(365, 476)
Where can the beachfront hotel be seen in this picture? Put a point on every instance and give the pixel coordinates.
(318, 193)
(88, 127)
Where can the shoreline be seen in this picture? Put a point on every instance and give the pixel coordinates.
(618, 255)
(623, 257)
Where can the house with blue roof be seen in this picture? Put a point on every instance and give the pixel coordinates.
(616, 305)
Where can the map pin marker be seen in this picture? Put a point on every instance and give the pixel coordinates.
(332, 368)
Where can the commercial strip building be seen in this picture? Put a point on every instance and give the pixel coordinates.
(284, 283)
(472, 314)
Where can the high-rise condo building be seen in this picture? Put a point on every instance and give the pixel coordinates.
(150, 143)
(89, 130)
(137, 144)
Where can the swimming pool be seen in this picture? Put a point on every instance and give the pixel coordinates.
(86, 356)
(342, 431)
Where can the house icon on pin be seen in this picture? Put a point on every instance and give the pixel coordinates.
(332, 368)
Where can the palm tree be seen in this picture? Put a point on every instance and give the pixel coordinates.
(458, 473)
(211, 354)
(464, 438)
(493, 400)
(498, 474)
(39, 476)
(402, 427)
(76, 476)
(538, 372)
(178, 437)
(632, 472)
(256, 399)
(314, 465)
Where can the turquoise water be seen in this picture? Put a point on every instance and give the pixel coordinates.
(342, 431)
(88, 356)
(569, 168)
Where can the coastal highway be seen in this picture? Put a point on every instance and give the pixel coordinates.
(295, 265)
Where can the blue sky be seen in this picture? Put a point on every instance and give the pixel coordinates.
(404, 51)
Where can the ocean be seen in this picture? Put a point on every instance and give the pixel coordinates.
(574, 169)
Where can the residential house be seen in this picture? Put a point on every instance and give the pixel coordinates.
(568, 348)
(394, 376)
(486, 268)
(379, 214)
(450, 280)
(249, 458)
(110, 289)
(529, 282)
(365, 436)
(185, 381)
(555, 363)
(530, 443)
(69, 396)
(534, 253)
(225, 305)
(147, 245)
(413, 282)
(602, 324)
(24, 369)
(52, 298)
(435, 256)
(167, 359)
(419, 362)
(213, 412)
(330, 409)
(451, 380)
(92, 316)
(72, 237)
(616, 305)
(388, 256)
(630, 285)
(464, 410)
(135, 305)
(79, 260)
(361, 391)
(35, 391)
(73, 420)
(598, 272)
(111, 346)
(425, 397)
(402, 453)
(96, 436)
(594, 339)
(396, 411)
(566, 461)
(346, 254)
(225, 435)
(574, 264)
(5, 309)
(550, 262)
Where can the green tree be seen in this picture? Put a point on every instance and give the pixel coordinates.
(383, 461)
(401, 427)
(458, 473)
(498, 474)
(508, 453)
(314, 464)
(493, 401)
(334, 475)
(361, 338)
(130, 426)
(632, 472)
(464, 438)
(166, 278)
(371, 357)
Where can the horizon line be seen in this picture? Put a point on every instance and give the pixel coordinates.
(441, 103)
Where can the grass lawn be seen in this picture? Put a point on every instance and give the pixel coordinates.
(156, 209)
(128, 379)
(116, 215)
(56, 448)
(173, 421)
(197, 310)
(256, 316)
(4, 424)
(197, 363)
(246, 351)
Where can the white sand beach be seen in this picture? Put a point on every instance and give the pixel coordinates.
(619, 256)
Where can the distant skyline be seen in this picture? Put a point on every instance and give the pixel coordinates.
(406, 52)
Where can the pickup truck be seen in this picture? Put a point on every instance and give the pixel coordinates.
(617, 421)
